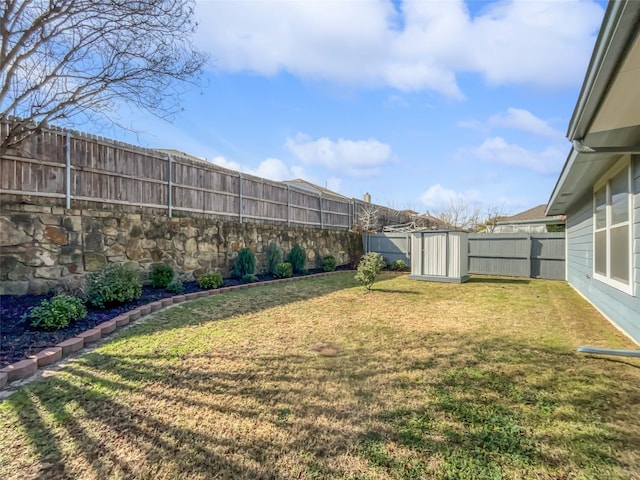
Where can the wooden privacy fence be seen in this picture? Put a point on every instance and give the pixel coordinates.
(74, 169)
(536, 255)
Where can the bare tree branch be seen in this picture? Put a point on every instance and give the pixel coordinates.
(59, 58)
(368, 220)
(459, 214)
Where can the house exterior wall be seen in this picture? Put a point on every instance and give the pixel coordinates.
(621, 308)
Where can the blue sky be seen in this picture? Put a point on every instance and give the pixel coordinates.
(415, 102)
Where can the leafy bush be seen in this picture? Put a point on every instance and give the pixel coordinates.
(57, 312)
(115, 283)
(284, 270)
(369, 268)
(175, 286)
(398, 265)
(329, 263)
(161, 275)
(245, 263)
(297, 258)
(249, 278)
(210, 280)
(273, 256)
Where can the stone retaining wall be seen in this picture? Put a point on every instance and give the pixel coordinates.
(41, 246)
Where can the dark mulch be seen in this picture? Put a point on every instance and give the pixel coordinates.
(18, 339)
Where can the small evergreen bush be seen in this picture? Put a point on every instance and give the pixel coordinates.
(161, 275)
(249, 278)
(284, 270)
(273, 256)
(297, 258)
(329, 263)
(115, 283)
(56, 313)
(210, 280)
(398, 265)
(175, 286)
(369, 268)
(245, 263)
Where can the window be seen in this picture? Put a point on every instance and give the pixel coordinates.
(612, 223)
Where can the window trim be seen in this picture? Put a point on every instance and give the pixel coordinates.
(624, 164)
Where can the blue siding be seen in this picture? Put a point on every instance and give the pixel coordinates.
(623, 309)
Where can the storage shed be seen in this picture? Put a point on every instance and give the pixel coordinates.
(439, 256)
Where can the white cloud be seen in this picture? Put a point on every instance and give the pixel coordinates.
(223, 162)
(497, 150)
(421, 45)
(358, 158)
(271, 168)
(526, 121)
(334, 183)
(437, 197)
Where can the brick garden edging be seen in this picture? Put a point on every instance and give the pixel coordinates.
(29, 366)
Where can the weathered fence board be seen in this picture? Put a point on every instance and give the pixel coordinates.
(104, 172)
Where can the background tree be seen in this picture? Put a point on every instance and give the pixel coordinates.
(459, 214)
(368, 218)
(493, 215)
(59, 58)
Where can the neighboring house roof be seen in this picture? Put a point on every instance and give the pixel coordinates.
(606, 121)
(312, 187)
(426, 220)
(533, 215)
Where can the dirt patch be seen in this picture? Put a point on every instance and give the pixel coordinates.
(326, 349)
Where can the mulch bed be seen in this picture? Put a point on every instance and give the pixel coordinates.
(18, 339)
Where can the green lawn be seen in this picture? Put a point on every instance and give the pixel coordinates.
(318, 379)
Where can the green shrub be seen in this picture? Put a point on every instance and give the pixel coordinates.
(115, 283)
(210, 280)
(297, 258)
(398, 265)
(329, 263)
(57, 312)
(273, 256)
(245, 263)
(369, 268)
(175, 286)
(161, 275)
(249, 278)
(284, 270)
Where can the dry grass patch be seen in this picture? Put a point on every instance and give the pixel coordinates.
(318, 379)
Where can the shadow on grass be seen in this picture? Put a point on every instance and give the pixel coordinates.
(395, 290)
(474, 407)
(500, 280)
(493, 414)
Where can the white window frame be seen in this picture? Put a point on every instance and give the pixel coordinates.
(623, 164)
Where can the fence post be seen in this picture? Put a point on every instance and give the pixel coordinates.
(240, 198)
(529, 255)
(288, 205)
(68, 170)
(170, 185)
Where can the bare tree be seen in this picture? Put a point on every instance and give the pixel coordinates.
(59, 58)
(368, 218)
(459, 214)
(493, 215)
